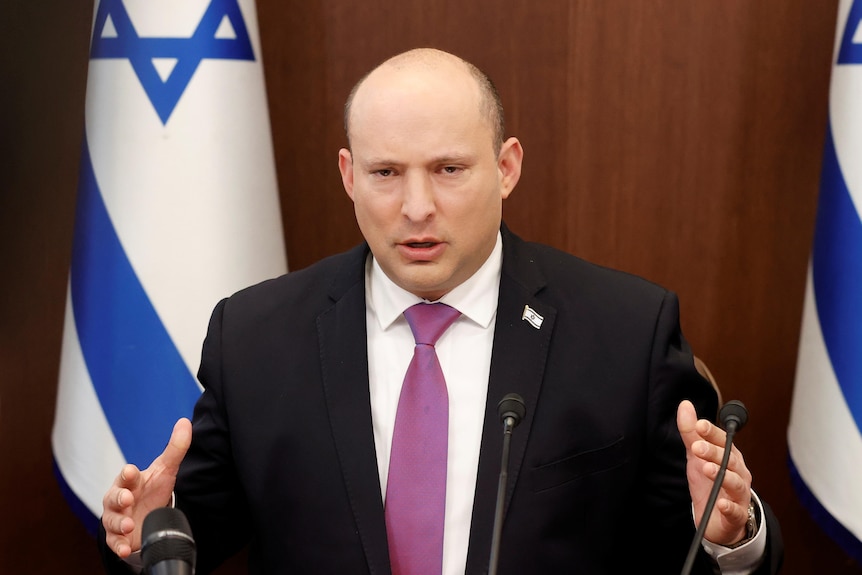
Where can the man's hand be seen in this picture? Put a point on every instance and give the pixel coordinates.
(135, 493)
(704, 449)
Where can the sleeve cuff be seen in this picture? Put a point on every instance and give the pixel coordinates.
(747, 557)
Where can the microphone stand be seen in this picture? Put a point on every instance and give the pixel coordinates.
(511, 409)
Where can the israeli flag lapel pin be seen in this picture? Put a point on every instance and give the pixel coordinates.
(532, 317)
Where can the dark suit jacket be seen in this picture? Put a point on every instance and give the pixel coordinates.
(283, 456)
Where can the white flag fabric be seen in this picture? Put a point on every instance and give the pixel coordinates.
(177, 207)
(825, 431)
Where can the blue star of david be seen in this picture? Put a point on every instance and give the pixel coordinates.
(188, 52)
(850, 52)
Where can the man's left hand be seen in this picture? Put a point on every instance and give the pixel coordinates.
(704, 449)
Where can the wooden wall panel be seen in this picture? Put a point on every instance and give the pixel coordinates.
(675, 139)
(43, 67)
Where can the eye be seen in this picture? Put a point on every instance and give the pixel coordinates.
(384, 173)
(450, 169)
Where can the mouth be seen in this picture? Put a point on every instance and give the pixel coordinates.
(421, 251)
(420, 244)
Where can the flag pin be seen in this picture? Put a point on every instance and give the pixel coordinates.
(532, 317)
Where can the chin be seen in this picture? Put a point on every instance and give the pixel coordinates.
(431, 292)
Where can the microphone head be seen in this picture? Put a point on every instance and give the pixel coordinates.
(733, 411)
(512, 405)
(166, 535)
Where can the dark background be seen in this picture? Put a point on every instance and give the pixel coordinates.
(677, 139)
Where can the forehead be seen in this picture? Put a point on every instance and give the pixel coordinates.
(437, 87)
(417, 97)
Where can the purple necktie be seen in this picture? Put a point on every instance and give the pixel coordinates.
(416, 488)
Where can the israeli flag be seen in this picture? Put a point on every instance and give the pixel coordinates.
(177, 208)
(825, 431)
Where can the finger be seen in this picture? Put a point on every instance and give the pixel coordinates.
(714, 454)
(178, 445)
(123, 550)
(129, 476)
(728, 524)
(125, 499)
(708, 452)
(119, 545)
(734, 512)
(117, 498)
(736, 464)
(117, 524)
(710, 432)
(734, 486)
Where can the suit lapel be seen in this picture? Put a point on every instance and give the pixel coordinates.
(517, 366)
(344, 364)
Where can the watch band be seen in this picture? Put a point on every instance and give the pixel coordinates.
(751, 525)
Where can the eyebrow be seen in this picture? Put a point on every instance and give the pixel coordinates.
(456, 158)
(375, 161)
(453, 159)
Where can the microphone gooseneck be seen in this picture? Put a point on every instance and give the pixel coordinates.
(733, 416)
(168, 547)
(511, 410)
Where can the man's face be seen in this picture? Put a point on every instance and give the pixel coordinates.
(426, 185)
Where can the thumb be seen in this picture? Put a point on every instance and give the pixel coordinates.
(181, 439)
(686, 422)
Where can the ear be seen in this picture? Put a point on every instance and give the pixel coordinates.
(345, 166)
(509, 165)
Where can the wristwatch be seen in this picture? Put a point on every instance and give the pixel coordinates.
(750, 525)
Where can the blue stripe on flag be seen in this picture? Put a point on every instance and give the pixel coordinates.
(837, 270)
(90, 521)
(831, 526)
(141, 380)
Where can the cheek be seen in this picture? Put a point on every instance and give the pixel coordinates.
(484, 210)
(372, 216)
(361, 203)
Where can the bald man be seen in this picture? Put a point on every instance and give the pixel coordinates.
(294, 446)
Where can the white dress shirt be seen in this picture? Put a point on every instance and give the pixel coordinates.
(464, 351)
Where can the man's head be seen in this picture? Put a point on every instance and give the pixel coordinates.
(490, 103)
(427, 168)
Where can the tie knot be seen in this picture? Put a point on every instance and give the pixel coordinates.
(429, 321)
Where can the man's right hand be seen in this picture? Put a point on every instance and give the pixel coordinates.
(135, 493)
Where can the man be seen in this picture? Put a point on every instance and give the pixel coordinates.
(295, 447)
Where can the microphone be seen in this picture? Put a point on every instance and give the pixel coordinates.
(168, 547)
(733, 412)
(511, 410)
(733, 416)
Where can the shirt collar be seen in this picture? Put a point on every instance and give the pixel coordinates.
(476, 298)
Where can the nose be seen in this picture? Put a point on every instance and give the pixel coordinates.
(418, 202)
